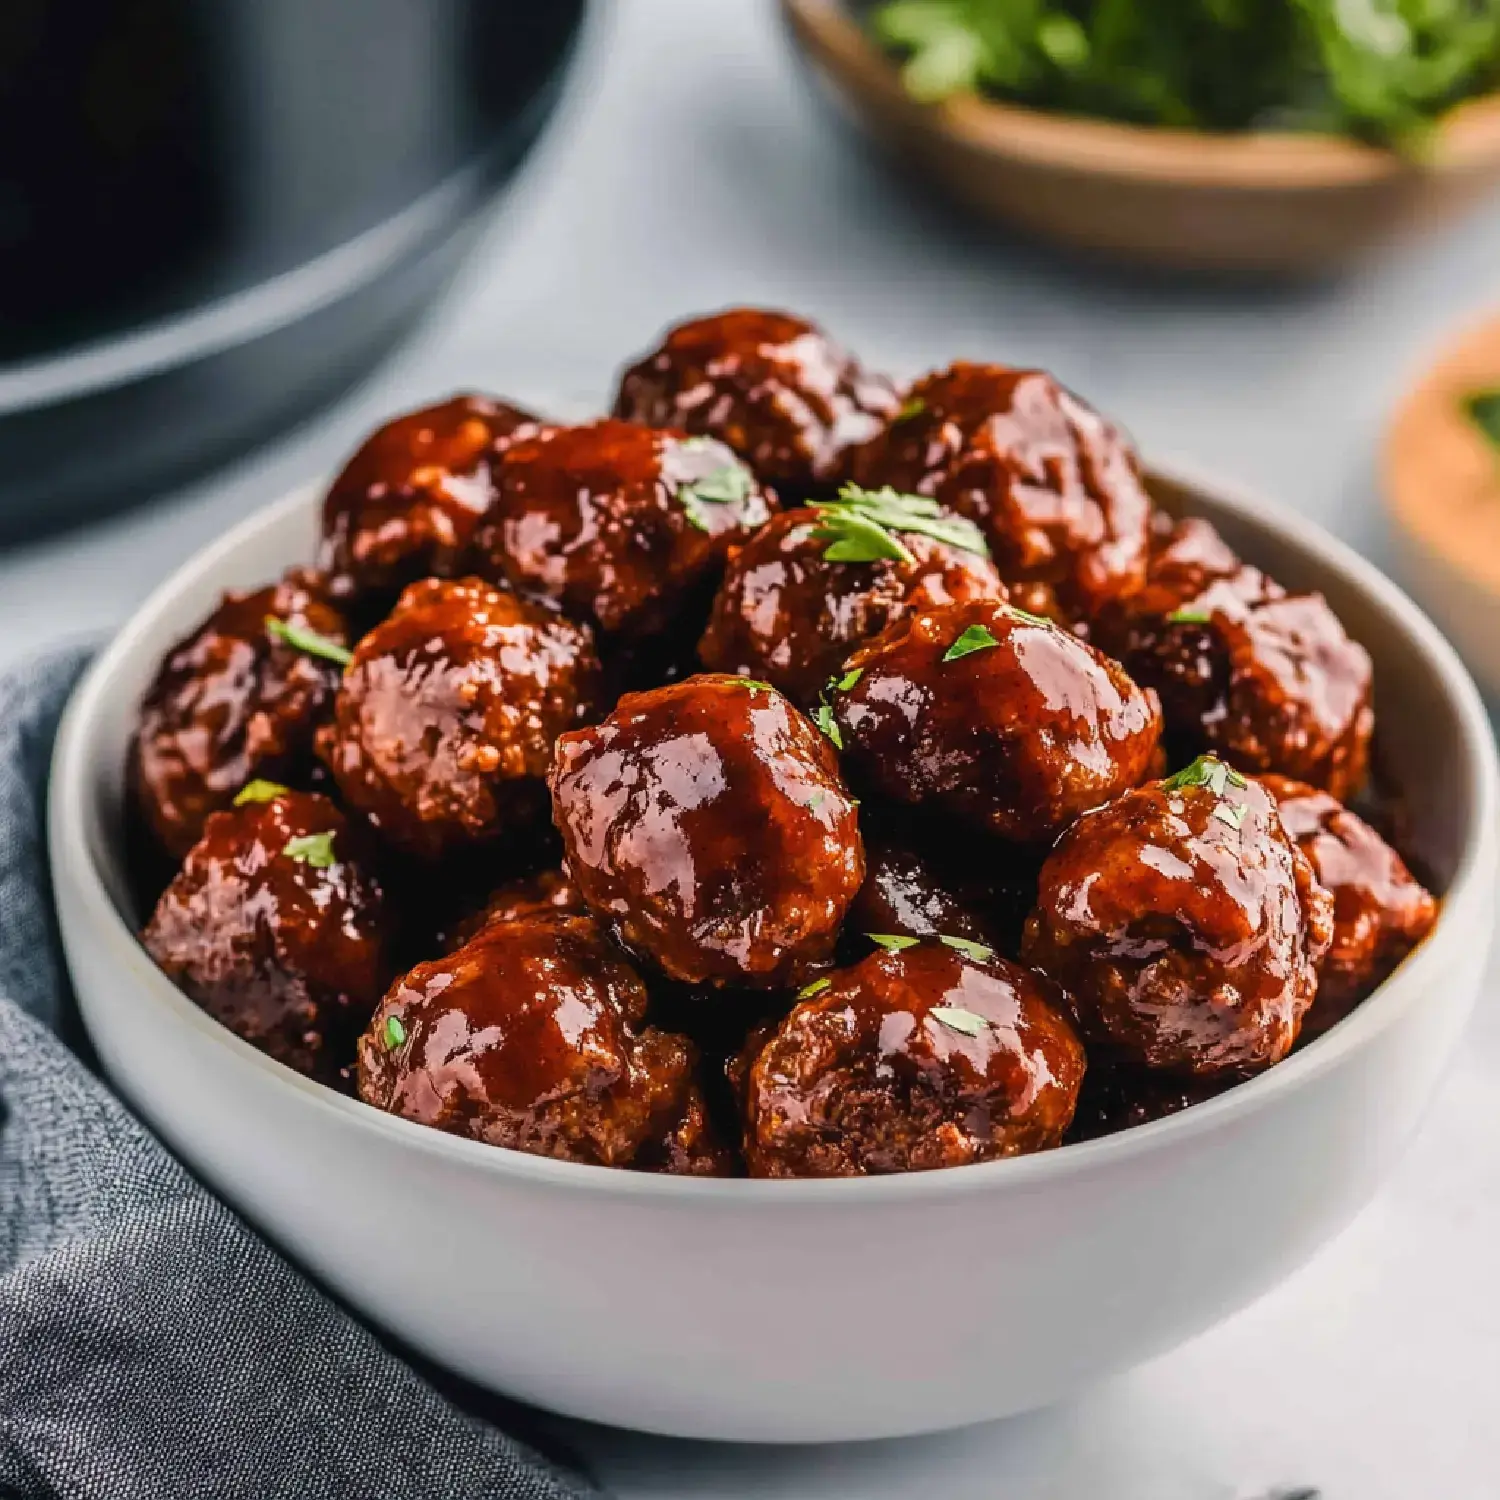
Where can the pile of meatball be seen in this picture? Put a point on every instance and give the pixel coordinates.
(790, 774)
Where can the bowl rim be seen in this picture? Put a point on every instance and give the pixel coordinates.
(1467, 135)
(76, 755)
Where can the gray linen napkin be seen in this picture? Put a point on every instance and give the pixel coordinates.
(151, 1347)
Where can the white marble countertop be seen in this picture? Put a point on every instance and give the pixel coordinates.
(692, 169)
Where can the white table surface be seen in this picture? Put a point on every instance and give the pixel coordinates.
(691, 169)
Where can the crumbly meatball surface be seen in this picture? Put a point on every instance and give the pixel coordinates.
(1185, 924)
(1056, 488)
(1381, 911)
(617, 523)
(788, 613)
(909, 1061)
(232, 701)
(995, 716)
(407, 502)
(529, 1037)
(1266, 679)
(444, 726)
(275, 925)
(708, 822)
(774, 387)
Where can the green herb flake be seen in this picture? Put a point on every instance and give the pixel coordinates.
(1189, 616)
(912, 407)
(975, 951)
(848, 680)
(1026, 617)
(393, 1032)
(825, 721)
(300, 638)
(260, 790)
(956, 1018)
(815, 988)
(754, 686)
(975, 638)
(1209, 771)
(861, 525)
(1483, 410)
(1231, 814)
(315, 849)
(892, 942)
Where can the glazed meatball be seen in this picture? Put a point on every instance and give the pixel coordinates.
(1185, 924)
(996, 716)
(274, 925)
(407, 503)
(1056, 488)
(233, 701)
(1380, 910)
(1266, 679)
(443, 729)
(909, 1061)
(707, 820)
(617, 523)
(529, 1037)
(787, 613)
(548, 891)
(773, 387)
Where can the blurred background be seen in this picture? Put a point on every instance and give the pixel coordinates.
(298, 230)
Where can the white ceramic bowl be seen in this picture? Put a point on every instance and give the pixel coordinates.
(798, 1310)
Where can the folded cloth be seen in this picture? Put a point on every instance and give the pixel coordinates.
(151, 1346)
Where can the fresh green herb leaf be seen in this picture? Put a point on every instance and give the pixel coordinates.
(975, 638)
(260, 790)
(976, 951)
(393, 1032)
(848, 680)
(300, 638)
(1483, 409)
(825, 721)
(1232, 814)
(753, 685)
(1209, 771)
(1026, 617)
(315, 849)
(913, 406)
(1189, 616)
(892, 942)
(956, 1018)
(815, 988)
(729, 484)
(861, 525)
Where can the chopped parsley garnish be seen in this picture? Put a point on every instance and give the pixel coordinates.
(1483, 410)
(825, 721)
(975, 951)
(848, 680)
(1209, 771)
(1026, 617)
(892, 942)
(1189, 616)
(300, 638)
(1232, 814)
(975, 638)
(260, 790)
(815, 988)
(913, 406)
(753, 685)
(394, 1033)
(315, 849)
(956, 1018)
(861, 525)
(729, 484)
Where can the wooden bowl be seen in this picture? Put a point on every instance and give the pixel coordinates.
(1442, 484)
(1263, 202)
